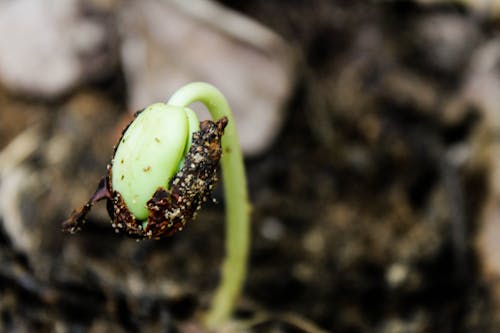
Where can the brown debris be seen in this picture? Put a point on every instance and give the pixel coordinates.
(77, 218)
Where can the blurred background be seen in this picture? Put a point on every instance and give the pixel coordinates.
(371, 131)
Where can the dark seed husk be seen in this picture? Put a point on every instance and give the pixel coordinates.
(169, 209)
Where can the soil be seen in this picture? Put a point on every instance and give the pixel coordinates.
(362, 222)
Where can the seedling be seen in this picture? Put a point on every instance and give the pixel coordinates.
(164, 166)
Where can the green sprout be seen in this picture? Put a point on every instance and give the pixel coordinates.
(138, 167)
(165, 166)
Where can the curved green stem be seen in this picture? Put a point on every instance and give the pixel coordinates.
(236, 197)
